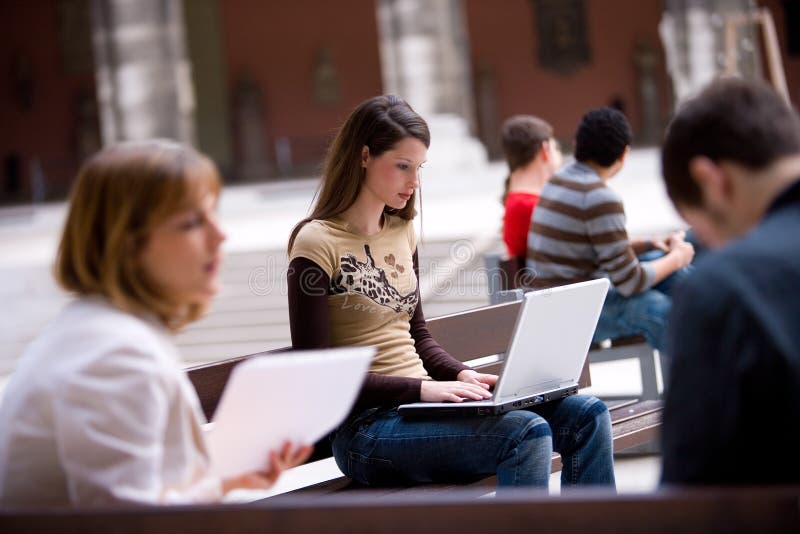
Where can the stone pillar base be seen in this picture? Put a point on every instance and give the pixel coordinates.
(453, 149)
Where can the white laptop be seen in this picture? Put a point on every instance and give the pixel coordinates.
(268, 400)
(551, 339)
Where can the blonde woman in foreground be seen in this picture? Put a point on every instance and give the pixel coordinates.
(99, 409)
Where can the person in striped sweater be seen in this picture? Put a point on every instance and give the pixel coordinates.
(578, 233)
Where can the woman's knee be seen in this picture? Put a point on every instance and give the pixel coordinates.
(529, 447)
(527, 430)
(588, 410)
(598, 419)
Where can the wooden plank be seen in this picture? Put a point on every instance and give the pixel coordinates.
(633, 432)
(618, 404)
(585, 379)
(209, 379)
(729, 510)
(475, 333)
(492, 368)
(634, 411)
(345, 484)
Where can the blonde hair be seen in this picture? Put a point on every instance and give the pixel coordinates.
(378, 124)
(119, 196)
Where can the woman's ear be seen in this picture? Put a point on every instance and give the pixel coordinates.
(364, 156)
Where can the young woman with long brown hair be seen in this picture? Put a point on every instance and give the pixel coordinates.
(353, 281)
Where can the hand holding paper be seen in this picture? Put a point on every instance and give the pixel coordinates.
(288, 457)
(269, 401)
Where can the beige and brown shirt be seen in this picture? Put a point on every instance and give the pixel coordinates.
(373, 288)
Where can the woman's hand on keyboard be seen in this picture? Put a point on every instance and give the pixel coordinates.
(474, 377)
(454, 391)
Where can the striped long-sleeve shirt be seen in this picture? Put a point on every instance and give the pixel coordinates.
(578, 233)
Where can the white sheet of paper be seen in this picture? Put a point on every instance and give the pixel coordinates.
(298, 397)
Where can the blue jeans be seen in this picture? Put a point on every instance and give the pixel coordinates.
(643, 314)
(377, 447)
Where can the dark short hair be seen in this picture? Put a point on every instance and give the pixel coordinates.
(602, 137)
(522, 137)
(731, 119)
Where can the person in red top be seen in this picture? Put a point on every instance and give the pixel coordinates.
(533, 155)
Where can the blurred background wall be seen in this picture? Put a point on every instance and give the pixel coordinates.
(262, 85)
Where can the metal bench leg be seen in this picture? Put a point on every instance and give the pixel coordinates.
(647, 366)
(642, 352)
(494, 279)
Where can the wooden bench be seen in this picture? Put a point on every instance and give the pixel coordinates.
(730, 510)
(467, 335)
(477, 337)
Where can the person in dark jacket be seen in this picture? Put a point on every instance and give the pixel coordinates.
(731, 164)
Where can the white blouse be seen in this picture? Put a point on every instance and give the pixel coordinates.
(100, 411)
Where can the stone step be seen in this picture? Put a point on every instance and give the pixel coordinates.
(196, 354)
(250, 313)
(234, 334)
(222, 319)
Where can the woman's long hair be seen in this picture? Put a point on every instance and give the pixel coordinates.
(378, 124)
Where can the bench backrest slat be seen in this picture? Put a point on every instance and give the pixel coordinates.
(465, 335)
(693, 510)
(475, 333)
(209, 380)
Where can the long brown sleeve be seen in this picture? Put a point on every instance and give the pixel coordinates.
(308, 287)
(437, 361)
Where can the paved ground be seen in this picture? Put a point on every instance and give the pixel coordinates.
(460, 222)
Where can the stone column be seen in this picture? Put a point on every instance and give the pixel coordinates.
(692, 32)
(425, 60)
(645, 59)
(144, 86)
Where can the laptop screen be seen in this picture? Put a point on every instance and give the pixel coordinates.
(551, 339)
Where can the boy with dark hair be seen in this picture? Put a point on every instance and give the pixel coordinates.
(578, 233)
(533, 155)
(731, 164)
